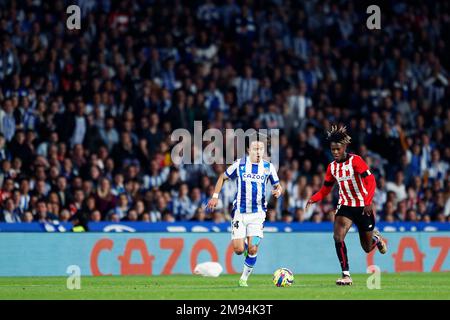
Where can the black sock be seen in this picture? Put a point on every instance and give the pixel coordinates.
(341, 251)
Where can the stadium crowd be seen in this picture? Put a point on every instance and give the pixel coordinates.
(86, 115)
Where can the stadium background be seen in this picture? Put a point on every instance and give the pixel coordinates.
(86, 117)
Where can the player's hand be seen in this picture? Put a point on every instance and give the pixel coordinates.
(276, 193)
(368, 210)
(212, 203)
(309, 204)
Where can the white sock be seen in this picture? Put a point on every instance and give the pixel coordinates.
(346, 273)
(246, 272)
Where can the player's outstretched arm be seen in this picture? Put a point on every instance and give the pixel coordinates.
(212, 203)
(324, 191)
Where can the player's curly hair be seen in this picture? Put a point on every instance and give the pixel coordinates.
(339, 135)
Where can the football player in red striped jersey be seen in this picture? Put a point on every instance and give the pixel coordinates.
(356, 189)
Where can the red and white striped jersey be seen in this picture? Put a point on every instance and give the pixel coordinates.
(348, 174)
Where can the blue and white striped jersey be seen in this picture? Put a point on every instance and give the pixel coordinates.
(251, 179)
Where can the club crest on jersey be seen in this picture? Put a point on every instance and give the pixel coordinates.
(346, 168)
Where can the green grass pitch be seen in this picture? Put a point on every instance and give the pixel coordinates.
(187, 287)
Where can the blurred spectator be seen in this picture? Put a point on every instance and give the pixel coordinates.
(42, 213)
(199, 215)
(218, 216)
(397, 186)
(104, 197)
(27, 217)
(286, 217)
(122, 206)
(10, 212)
(167, 216)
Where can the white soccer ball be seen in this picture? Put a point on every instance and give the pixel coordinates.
(283, 277)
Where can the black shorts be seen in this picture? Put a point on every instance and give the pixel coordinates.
(362, 221)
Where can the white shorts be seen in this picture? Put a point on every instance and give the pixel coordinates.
(247, 225)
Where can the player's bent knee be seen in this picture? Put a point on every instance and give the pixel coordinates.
(253, 250)
(239, 250)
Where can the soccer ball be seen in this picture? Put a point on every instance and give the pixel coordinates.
(283, 277)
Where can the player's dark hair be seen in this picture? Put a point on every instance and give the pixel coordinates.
(258, 136)
(338, 135)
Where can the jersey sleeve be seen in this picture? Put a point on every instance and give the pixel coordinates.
(329, 178)
(361, 167)
(273, 175)
(232, 171)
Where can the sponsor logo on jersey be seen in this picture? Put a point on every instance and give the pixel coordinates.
(344, 178)
(253, 177)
